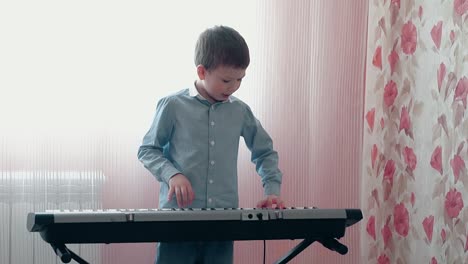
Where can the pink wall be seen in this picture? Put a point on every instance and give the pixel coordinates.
(308, 92)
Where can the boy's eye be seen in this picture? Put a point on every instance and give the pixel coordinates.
(226, 81)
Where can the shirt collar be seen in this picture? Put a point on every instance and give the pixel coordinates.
(193, 92)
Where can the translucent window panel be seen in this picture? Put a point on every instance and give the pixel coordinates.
(79, 83)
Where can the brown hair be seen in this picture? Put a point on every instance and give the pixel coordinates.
(221, 45)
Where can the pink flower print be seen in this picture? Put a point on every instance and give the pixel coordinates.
(453, 203)
(460, 6)
(383, 259)
(413, 199)
(386, 234)
(374, 153)
(436, 159)
(440, 75)
(461, 92)
(401, 219)
(390, 93)
(433, 260)
(452, 36)
(389, 171)
(370, 228)
(387, 189)
(436, 34)
(443, 235)
(377, 59)
(370, 118)
(396, 2)
(457, 165)
(405, 123)
(392, 60)
(408, 38)
(428, 225)
(420, 12)
(410, 158)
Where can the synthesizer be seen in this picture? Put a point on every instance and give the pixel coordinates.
(60, 227)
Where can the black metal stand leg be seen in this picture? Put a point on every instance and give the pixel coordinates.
(66, 255)
(295, 251)
(334, 245)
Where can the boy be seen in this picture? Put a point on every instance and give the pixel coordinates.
(192, 145)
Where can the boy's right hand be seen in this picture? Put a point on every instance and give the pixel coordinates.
(181, 187)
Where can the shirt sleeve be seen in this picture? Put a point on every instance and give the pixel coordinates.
(156, 142)
(263, 155)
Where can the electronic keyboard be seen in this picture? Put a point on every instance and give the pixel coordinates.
(60, 227)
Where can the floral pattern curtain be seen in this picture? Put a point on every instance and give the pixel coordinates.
(415, 181)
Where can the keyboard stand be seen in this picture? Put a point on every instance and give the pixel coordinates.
(66, 255)
(329, 243)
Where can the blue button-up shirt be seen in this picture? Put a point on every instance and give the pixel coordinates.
(189, 135)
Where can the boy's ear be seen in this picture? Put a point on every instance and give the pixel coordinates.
(201, 71)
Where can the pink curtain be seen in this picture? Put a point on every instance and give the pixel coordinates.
(415, 182)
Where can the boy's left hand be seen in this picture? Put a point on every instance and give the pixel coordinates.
(271, 200)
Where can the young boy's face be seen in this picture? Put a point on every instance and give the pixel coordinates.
(219, 83)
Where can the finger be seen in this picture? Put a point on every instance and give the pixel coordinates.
(274, 201)
(188, 195)
(269, 203)
(183, 195)
(179, 197)
(170, 194)
(191, 195)
(280, 205)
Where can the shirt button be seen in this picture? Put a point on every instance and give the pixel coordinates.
(212, 142)
(212, 162)
(209, 200)
(210, 181)
(212, 123)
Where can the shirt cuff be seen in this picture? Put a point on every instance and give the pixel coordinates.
(272, 189)
(168, 173)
